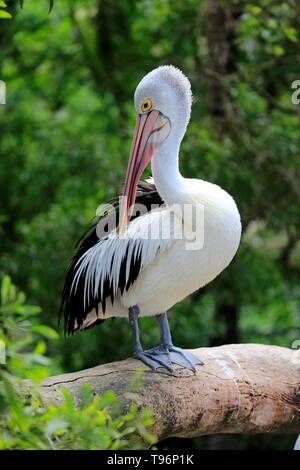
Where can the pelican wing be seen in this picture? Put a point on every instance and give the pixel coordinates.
(103, 267)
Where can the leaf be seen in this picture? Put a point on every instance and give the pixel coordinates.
(56, 425)
(108, 397)
(37, 359)
(254, 9)
(45, 331)
(5, 14)
(86, 395)
(5, 285)
(291, 34)
(28, 310)
(69, 400)
(40, 348)
(51, 3)
(278, 51)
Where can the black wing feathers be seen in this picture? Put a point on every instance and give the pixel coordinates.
(72, 303)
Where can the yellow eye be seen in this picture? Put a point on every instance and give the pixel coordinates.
(146, 105)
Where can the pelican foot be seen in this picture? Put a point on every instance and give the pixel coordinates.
(155, 358)
(164, 357)
(184, 358)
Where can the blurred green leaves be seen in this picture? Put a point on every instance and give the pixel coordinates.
(3, 12)
(24, 338)
(26, 421)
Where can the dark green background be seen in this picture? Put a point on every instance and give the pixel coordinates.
(65, 139)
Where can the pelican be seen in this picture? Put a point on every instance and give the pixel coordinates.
(125, 272)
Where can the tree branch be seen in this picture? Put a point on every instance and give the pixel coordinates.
(246, 388)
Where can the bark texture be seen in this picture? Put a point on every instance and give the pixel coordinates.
(241, 388)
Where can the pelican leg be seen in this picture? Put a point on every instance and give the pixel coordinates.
(133, 320)
(153, 358)
(177, 355)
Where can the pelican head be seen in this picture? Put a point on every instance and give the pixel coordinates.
(163, 102)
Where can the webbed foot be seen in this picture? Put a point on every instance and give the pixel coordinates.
(155, 358)
(184, 358)
(164, 357)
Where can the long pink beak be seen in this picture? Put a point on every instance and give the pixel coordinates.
(140, 155)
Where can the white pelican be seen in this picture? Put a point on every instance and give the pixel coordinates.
(126, 272)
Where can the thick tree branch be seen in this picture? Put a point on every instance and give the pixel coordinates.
(246, 388)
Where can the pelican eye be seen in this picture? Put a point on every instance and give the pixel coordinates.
(146, 105)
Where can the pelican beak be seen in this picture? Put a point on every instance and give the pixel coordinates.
(150, 131)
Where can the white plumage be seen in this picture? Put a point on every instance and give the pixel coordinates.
(156, 272)
(169, 272)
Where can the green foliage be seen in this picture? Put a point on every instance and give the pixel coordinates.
(27, 422)
(24, 337)
(3, 12)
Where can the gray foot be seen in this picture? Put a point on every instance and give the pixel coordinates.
(184, 358)
(155, 358)
(166, 356)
